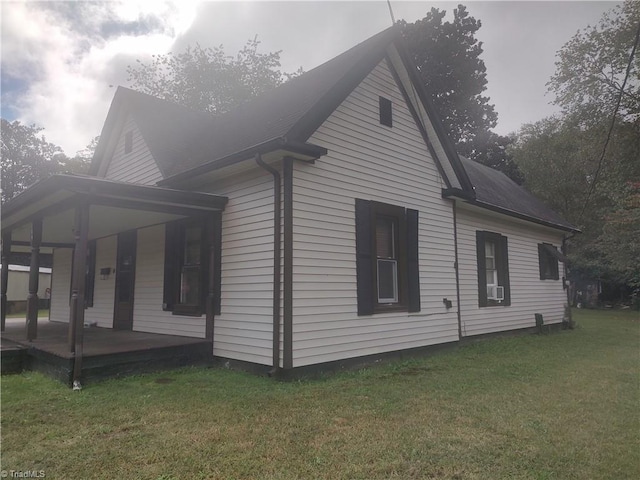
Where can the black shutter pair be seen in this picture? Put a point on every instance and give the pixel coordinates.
(365, 259)
(502, 265)
(173, 258)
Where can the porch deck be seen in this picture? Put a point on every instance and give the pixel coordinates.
(106, 352)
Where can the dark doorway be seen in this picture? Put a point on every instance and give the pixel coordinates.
(125, 281)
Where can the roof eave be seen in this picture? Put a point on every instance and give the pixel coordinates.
(459, 193)
(309, 151)
(444, 138)
(100, 188)
(117, 104)
(448, 193)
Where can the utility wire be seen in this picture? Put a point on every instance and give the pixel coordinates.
(613, 121)
(393, 20)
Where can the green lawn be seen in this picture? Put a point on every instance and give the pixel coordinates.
(43, 313)
(559, 406)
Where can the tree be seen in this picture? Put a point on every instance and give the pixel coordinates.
(597, 142)
(447, 55)
(558, 157)
(208, 79)
(81, 161)
(26, 157)
(591, 67)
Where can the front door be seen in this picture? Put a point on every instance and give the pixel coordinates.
(125, 281)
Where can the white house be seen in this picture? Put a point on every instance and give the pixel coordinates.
(18, 287)
(328, 220)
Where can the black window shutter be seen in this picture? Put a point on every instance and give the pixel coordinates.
(364, 260)
(541, 261)
(413, 270)
(503, 269)
(217, 269)
(555, 271)
(91, 274)
(171, 258)
(482, 267)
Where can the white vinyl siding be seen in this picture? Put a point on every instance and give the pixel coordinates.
(529, 294)
(18, 284)
(148, 315)
(373, 162)
(138, 166)
(60, 285)
(244, 329)
(104, 289)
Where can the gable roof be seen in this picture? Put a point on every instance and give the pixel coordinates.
(187, 143)
(495, 191)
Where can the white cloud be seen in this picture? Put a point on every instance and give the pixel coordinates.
(59, 58)
(62, 58)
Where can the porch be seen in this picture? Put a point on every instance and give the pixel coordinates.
(106, 352)
(74, 213)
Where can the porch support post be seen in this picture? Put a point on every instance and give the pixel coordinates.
(76, 313)
(6, 254)
(34, 277)
(287, 316)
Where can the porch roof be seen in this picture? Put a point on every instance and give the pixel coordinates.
(114, 207)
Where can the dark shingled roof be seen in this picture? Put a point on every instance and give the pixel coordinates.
(181, 139)
(495, 189)
(185, 142)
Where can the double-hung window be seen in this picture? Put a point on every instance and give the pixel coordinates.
(494, 290)
(191, 268)
(493, 269)
(386, 258)
(186, 260)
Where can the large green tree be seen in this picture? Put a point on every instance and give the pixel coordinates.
(207, 78)
(27, 157)
(448, 57)
(591, 67)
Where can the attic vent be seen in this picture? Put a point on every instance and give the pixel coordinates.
(385, 111)
(128, 142)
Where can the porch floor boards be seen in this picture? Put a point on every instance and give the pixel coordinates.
(52, 338)
(106, 352)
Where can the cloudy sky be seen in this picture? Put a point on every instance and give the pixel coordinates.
(61, 60)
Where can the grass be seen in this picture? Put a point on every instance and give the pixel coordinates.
(42, 313)
(559, 406)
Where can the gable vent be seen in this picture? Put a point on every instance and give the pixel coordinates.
(385, 111)
(128, 142)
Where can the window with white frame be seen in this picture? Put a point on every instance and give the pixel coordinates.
(493, 270)
(387, 259)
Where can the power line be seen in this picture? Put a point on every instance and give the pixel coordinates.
(393, 20)
(613, 121)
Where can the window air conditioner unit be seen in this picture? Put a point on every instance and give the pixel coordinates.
(495, 292)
